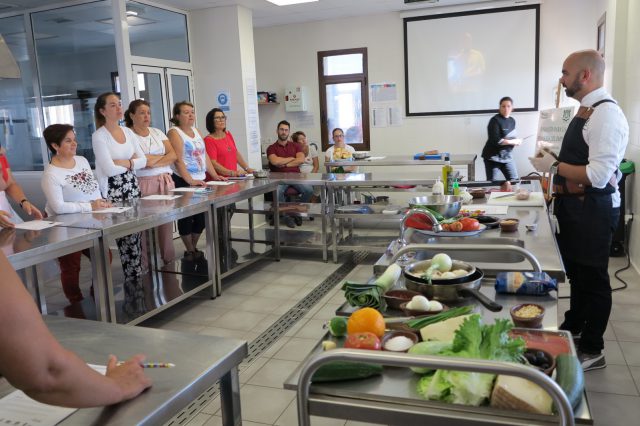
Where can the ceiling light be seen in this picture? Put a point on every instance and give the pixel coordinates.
(289, 2)
(132, 13)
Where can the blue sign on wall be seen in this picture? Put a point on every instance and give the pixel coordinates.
(223, 100)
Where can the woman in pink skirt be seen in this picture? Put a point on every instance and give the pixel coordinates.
(155, 178)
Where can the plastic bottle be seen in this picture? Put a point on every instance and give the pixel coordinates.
(447, 176)
(438, 188)
(456, 187)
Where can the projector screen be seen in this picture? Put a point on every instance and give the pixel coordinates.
(463, 63)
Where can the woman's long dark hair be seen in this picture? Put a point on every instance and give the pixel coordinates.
(101, 102)
(133, 107)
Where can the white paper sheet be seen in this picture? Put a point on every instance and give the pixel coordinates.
(112, 210)
(19, 409)
(161, 197)
(36, 225)
(245, 177)
(219, 183)
(375, 158)
(191, 189)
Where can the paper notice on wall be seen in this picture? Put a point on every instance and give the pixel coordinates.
(302, 119)
(552, 126)
(383, 92)
(253, 123)
(384, 105)
(395, 116)
(380, 117)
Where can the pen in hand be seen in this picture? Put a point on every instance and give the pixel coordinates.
(154, 364)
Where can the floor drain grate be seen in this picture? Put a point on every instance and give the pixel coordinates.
(275, 332)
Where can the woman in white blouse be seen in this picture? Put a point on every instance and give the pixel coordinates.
(189, 169)
(118, 155)
(70, 187)
(155, 178)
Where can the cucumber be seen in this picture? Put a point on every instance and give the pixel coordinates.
(345, 370)
(570, 377)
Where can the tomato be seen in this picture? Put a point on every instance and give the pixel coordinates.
(364, 340)
(445, 227)
(469, 224)
(455, 226)
(419, 221)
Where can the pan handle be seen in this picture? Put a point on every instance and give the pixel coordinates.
(488, 303)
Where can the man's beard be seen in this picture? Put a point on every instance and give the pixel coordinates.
(282, 138)
(574, 88)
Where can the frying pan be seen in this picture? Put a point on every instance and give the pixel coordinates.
(415, 270)
(454, 292)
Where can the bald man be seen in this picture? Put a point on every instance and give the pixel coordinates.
(587, 201)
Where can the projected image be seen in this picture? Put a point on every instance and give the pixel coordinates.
(460, 63)
(465, 66)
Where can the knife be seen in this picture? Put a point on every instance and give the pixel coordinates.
(503, 196)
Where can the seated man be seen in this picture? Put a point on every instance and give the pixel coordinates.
(286, 157)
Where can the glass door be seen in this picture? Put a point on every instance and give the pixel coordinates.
(180, 85)
(150, 85)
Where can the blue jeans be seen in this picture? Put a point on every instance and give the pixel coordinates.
(493, 169)
(305, 191)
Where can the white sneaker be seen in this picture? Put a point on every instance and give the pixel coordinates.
(592, 361)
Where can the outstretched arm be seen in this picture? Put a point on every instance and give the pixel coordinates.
(33, 361)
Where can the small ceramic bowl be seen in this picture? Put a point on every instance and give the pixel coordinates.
(416, 313)
(528, 315)
(541, 360)
(395, 298)
(509, 224)
(477, 192)
(391, 334)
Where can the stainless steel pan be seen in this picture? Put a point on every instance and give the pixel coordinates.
(415, 271)
(454, 292)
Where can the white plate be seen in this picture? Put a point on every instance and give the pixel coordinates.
(453, 234)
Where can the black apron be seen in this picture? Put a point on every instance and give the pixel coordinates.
(586, 222)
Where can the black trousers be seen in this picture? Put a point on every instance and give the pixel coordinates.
(586, 226)
(189, 225)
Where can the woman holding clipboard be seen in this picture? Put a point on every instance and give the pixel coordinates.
(501, 140)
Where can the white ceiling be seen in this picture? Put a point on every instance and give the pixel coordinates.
(267, 14)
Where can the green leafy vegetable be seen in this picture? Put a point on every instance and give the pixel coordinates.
(476, 341)
(363, 295)
(431, 347)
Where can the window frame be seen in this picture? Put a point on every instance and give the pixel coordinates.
(362, 78)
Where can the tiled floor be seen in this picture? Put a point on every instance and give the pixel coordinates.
(255, 299)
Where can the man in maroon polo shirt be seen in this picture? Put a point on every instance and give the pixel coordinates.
(285, 157)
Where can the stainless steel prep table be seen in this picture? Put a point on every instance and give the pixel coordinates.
(468, 160)
(27, 249)
(223, 196)
(392, 398)
(145, 215)
(200, 361)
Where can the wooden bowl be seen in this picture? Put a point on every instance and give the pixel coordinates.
(416, 313)
(509, 224)
(395, 298)
(391, 334)
(527, 321)
(530, 353)
(478, 193)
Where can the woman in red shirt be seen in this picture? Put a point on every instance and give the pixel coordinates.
(221, 148)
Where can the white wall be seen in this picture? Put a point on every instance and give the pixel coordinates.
(287, 55)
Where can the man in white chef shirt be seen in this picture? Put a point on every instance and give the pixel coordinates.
(587, 200)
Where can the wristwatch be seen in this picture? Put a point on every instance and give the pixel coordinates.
(554, 168)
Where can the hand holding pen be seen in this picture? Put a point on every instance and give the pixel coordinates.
(129, 375)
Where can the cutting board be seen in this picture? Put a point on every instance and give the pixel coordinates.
(536, 199)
